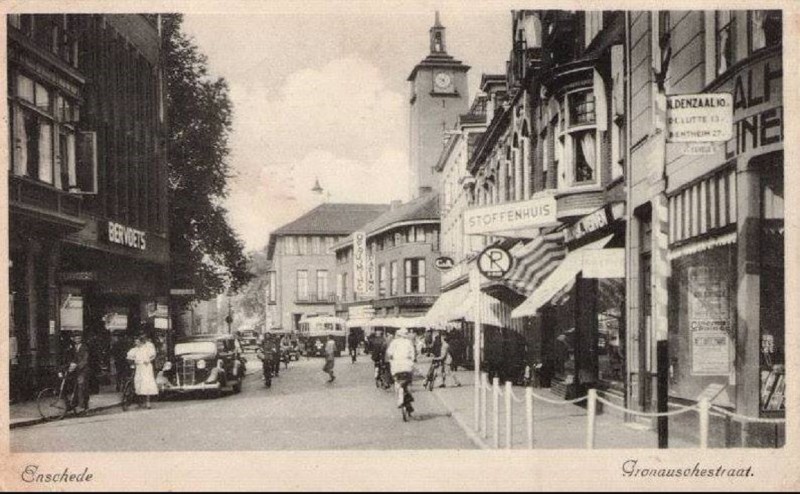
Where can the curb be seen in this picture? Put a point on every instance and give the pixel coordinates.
(472, 435)
(36, 421)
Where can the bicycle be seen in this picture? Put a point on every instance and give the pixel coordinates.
(403, 380)
(384, 377)
(53, 404)
(128, 392)
(434, 371)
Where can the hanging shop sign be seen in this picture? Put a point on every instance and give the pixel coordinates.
(494, 262)
(444, 263)
(72, 313)
(360, 270)
(594, 221)
(116, 320)
(709, 321)
(127, 236)
(704, 117)
(533, 213)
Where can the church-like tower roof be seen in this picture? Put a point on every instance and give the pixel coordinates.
(438, 57)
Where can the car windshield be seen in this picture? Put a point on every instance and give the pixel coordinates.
(195, 347)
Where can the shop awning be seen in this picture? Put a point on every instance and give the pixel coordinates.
(400, 322)
(447, 304)
(592, 260)
(493, 311)
(533, 262)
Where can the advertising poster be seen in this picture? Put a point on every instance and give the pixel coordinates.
(709, 321)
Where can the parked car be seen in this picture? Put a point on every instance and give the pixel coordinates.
(207, 363)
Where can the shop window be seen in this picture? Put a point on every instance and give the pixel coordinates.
(415, 275)
(725, 39)
(764, 29)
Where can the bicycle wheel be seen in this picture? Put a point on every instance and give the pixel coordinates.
(51, 405)
(128, 396)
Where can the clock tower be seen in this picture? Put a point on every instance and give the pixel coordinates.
(439, 95)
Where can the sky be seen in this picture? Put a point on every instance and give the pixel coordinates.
(324, 95)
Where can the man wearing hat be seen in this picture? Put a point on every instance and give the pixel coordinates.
(78, 358)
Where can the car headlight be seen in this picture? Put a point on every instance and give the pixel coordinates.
(201, 364)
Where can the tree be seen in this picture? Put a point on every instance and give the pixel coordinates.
(206, 253)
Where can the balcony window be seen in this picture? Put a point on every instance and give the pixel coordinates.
(581, 108)
(764, 29)
(322, 284)
(415, 275)
(393, 278)
(584, 152)
(725, 40)
(382, 280)
(302, 284)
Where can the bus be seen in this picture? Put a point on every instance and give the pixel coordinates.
(318, 328)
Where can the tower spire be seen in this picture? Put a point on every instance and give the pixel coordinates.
(437, 36)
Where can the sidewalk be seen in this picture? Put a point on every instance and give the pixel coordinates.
(26, 413)
(554, 426)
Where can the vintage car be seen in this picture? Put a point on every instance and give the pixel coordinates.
(248, 338)
(208, 363)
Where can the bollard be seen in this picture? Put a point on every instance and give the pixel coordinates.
(704, 406)
(509, 404)
(591, 411)
(496, 412)
(529, 415)
(484, 385)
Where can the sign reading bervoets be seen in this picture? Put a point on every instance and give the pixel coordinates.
(705, 117)
(127, 236)
(533, 213)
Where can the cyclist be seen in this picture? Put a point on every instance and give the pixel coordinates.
(401, 355)
(376, 345)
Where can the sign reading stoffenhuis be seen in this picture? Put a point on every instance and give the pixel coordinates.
(533, 213)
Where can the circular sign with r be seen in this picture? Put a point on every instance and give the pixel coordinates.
(494, 262)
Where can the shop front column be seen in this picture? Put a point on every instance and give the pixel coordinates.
(586, 337)
(33, 311)
(748, 293)
(54, 336)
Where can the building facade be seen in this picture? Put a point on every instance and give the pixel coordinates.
(706, 250)
(439, 94)
(300, 281)
(401, 247)
(87, 187)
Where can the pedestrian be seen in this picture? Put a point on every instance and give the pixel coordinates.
(446, 357)
(144, 381)
(353, 340)
(78, 358)
(330, 357)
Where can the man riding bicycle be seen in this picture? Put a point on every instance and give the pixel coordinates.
(401, 355)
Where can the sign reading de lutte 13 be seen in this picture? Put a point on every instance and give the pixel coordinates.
(533, 213)
(704, 117)
(127, 236)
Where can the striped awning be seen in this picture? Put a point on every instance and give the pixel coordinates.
(533, 262)
(446, 307)
(703, 208)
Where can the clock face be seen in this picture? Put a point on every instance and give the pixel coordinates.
(442, 80)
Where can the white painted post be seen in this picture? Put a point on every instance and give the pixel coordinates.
(705, 406)
(474, 286)
(484, 385)
(529, 415)
(496, 412)
(509, 404)
(591, 409)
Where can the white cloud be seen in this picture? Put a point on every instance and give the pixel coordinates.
(340, 124)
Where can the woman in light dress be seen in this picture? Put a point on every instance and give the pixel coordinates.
(144, 381)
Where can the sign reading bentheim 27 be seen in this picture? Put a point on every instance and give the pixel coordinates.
(705, 117)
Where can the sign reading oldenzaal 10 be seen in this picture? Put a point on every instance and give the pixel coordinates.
(127, 236)
(533, 213)
(704, 117)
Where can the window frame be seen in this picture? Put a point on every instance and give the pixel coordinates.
(322, 288)
(393, 278)
(730, 26)
(302, 284)
(419, 278)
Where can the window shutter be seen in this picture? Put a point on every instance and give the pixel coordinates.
(86, 162)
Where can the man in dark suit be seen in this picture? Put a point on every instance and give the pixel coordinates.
(78, 358)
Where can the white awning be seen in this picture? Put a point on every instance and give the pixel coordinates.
(401, 322)
(592, 260)
(446, 305)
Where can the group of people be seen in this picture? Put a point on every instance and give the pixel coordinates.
(141, 357)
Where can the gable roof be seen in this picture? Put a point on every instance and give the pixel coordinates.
(328, 219)
(423, 208)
